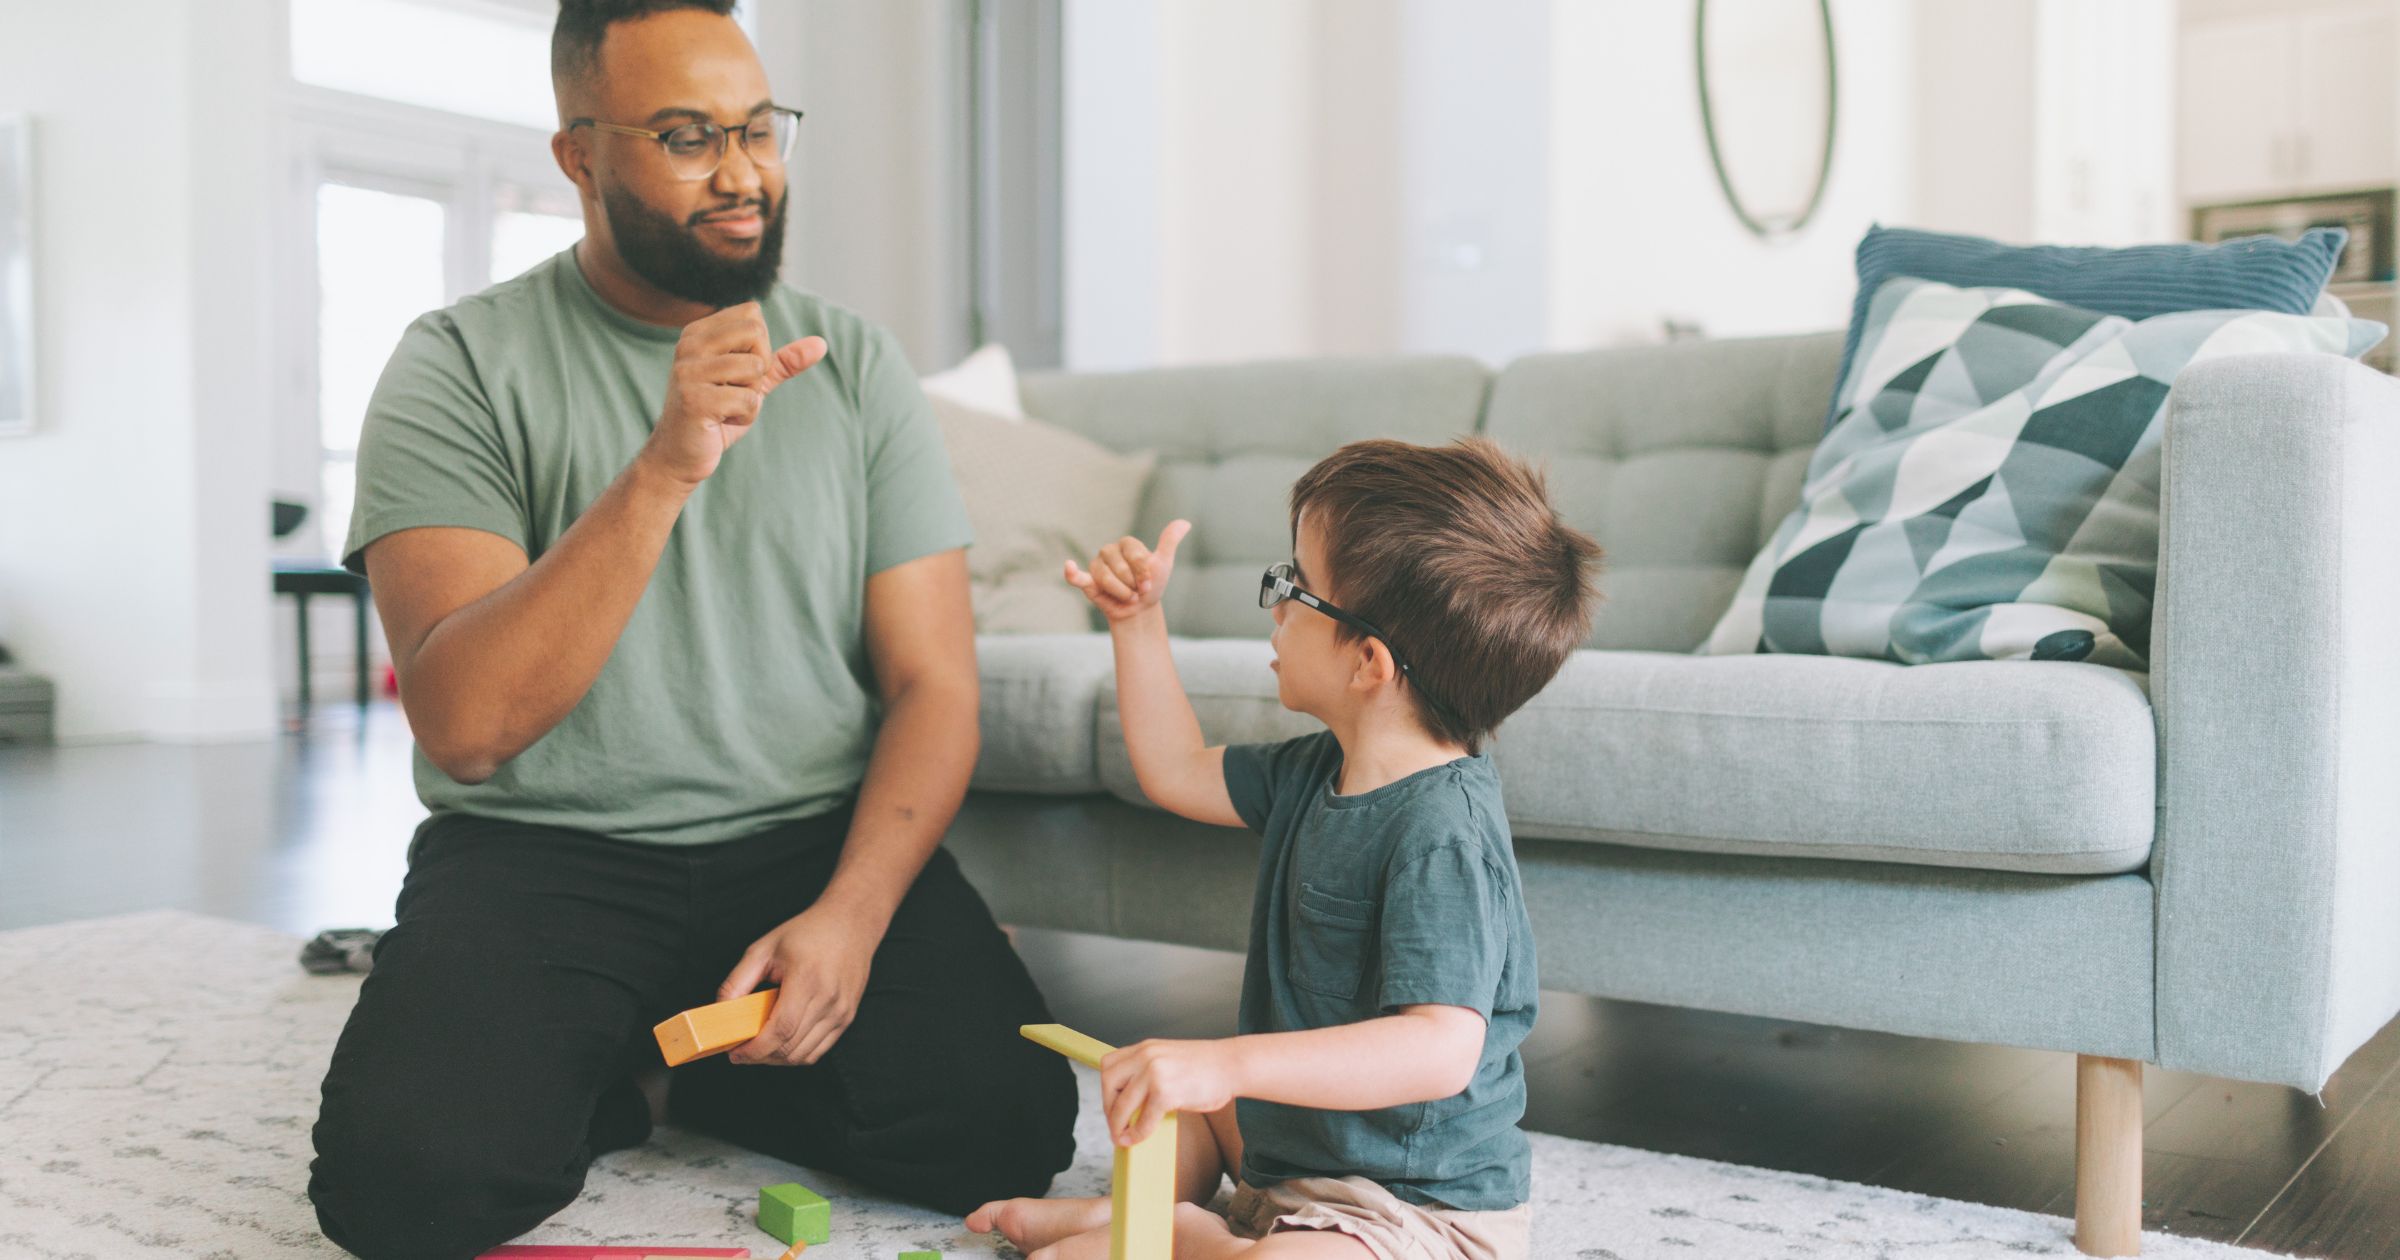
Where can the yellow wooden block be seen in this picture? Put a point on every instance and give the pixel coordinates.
(713, 1029)
(1141, 1197)
(1084, 1049)
(1141, 1183)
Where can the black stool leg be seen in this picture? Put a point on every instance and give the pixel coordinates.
(300, 601)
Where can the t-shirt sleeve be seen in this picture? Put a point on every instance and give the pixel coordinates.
(913, 505)
(1446, 919)
(429, 448)
(1256, 774)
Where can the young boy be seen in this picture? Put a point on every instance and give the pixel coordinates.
(1369, 1108)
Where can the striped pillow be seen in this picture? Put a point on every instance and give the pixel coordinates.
(2258, 273)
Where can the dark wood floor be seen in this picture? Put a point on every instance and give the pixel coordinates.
(308, 832)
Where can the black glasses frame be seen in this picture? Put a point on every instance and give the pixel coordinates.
(715, 135)
(1276, 585)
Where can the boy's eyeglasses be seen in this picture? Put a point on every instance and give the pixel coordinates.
(1276, 585)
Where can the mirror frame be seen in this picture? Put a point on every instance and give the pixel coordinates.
(1768, 229)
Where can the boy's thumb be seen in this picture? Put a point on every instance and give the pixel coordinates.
(1170, 538)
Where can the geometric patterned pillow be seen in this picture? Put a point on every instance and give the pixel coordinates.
(1989, 490)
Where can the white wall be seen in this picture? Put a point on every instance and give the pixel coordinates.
(1109, 203)
(1640, 231)
(1476, 123)
(132, 537)
(1232, 178)
(1975, 145)
(1236, 144)
(878, 189)
(1379, 176)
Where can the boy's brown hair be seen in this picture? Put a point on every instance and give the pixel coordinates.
(1456, 553)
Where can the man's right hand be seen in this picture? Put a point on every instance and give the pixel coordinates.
(725, 366)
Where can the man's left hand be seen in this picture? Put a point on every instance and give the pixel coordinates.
(819, 959)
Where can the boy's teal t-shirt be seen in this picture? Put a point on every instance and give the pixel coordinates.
(1402, 896)
(740, 694)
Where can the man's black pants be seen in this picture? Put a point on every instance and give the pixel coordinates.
(491, 1053)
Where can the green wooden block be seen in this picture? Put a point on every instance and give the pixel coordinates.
(794, 1213)
(920, 1255)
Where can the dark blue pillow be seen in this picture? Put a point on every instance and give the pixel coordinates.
(2136, 281)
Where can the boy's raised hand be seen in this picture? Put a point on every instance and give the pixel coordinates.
(1127, 578)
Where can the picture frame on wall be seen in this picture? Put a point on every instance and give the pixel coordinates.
(16, 274)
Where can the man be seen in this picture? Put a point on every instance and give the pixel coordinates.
(673, 574)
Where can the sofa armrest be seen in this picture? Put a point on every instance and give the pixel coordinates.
(2276, 677)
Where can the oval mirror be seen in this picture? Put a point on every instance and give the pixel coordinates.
(1767, 105)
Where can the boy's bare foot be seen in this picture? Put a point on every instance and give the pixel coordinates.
(1089, 1245)
(1036, 1223)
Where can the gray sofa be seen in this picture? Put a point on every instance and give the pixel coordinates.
(2198, 869)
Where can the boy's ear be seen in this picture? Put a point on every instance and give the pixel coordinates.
(1375, 665)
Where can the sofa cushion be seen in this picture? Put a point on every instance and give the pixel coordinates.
(1039, 692)
(2136, 282)
(1996, 765)
(1992, 493)
(1681, 459)
(1037, 495)
(1232, 438)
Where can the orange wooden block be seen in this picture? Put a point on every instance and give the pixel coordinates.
(713, 1029)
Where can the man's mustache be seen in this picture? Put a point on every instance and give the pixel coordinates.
(765, 211)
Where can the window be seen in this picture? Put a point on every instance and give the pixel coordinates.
(421, 133)
(413, 189)
(529, 226)
(379, 266)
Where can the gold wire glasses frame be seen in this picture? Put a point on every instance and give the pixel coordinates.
(695, 150)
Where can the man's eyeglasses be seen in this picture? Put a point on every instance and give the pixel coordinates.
(695, 150)
(1276, 585)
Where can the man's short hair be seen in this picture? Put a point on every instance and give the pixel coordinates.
(1457, 553)
(582, 24)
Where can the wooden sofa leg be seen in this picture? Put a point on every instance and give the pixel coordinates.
(2108, 1156)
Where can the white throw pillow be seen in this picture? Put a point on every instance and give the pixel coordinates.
(985, 380)
(1038, 496)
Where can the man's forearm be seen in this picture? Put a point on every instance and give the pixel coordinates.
(924, 755)
(497, 674)
(1375, 1063)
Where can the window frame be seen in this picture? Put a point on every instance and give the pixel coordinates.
(476, 168)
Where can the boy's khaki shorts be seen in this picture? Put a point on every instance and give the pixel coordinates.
(1391, 1227)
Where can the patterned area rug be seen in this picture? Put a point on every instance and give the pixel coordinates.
(159, 1072)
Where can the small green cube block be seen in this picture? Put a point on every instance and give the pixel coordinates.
(920, 1255)
(794, 1213)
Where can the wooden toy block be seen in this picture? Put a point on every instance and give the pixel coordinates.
(1141, 1182)
(1141, 1196)
(794, 1213)
(1084, 1049)
(713, 1029)
(920, 1255)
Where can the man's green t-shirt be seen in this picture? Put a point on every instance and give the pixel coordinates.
(740, 693)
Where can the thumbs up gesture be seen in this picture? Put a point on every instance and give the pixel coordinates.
(1127, 578)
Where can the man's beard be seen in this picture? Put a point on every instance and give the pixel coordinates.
(672, 259)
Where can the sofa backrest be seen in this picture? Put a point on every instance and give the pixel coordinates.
(1681, 459)
(1232, 439)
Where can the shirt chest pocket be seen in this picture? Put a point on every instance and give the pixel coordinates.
(1331, 938)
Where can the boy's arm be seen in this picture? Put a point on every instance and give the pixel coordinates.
(1176, 767)
(1417, 1055)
